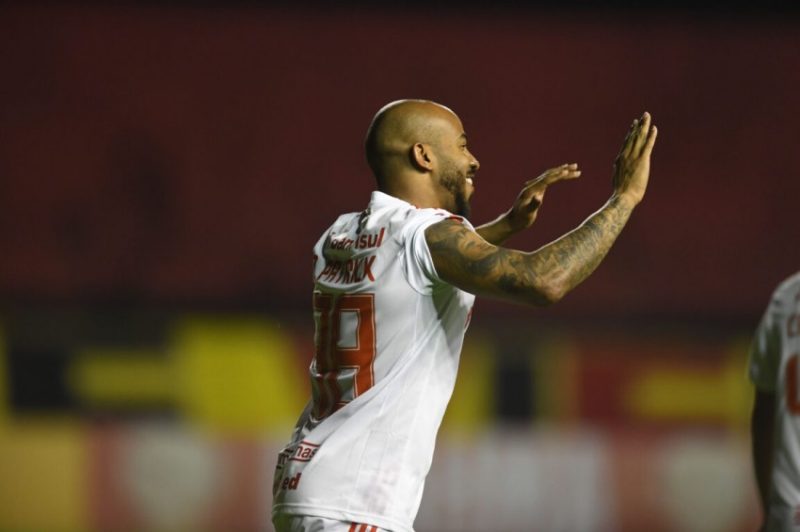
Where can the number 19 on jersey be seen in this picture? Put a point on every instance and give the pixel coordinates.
(344, 349)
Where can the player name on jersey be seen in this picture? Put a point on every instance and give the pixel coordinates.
(356, 269)
(348, 271)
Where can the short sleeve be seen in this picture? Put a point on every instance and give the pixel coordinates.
(765, 351)
(418, 264)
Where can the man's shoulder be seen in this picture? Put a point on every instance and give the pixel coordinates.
(789, 288)
(396, 215)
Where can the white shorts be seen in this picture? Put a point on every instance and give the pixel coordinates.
(307, 523)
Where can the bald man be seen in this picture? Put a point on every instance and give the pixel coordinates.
(394, 286)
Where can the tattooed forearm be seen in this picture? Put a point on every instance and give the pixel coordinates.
(539, 277)
(573, 257)
(466, 260)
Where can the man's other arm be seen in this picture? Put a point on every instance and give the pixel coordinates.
(525, 209)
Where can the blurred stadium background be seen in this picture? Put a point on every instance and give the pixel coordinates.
(164, 172)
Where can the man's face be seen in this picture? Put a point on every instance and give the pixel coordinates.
(457, 168)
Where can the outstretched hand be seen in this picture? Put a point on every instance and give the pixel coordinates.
(632, 165)
(523, 212)
(526, 207)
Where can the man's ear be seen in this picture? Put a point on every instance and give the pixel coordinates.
(421, 156)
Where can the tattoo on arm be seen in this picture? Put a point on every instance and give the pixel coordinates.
(542, 276)
(577, 254)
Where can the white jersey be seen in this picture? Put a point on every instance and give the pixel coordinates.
(775, 368)
(388, 341)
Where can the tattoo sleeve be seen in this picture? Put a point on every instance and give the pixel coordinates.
(466, 260)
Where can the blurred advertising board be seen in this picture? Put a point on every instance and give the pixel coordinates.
(175, 423)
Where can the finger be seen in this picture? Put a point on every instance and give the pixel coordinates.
(536, 202)
(566, 171)
(641, 134)
(627, 144)
(529, 190)
(547, 178)
(566, 176)
(547, 174)
(651, 141)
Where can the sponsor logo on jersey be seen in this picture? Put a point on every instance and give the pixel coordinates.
(362, 241)
(291, 483)
(304, 452)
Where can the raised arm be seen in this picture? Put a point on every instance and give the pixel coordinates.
(466, 260)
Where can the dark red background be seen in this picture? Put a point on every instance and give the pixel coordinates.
(190, 155)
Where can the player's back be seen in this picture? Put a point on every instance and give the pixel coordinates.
(388, 338)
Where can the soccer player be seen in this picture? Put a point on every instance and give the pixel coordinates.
(394, 286)
(775, 427)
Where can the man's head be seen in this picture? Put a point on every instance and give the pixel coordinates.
(418, 149)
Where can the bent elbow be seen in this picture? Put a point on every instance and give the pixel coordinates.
(554, 291)
(538, 293)
(549, 294)
(547, 299)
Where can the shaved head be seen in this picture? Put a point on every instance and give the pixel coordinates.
(417, 150)
(398, 126)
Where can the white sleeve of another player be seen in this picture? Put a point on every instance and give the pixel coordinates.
(765, 352)
(418, 263)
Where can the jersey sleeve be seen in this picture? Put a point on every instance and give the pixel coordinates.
(418, 264)
(765, 351)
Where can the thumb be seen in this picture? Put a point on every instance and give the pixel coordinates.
(536, 201)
